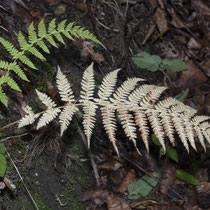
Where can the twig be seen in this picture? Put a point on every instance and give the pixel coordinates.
(9, 137)
(21, 178)
(90, 155)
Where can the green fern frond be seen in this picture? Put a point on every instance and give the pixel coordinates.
(9, 47)
(41, 37)
(42, 32)
(52, 26)
(9, 81)
(22, 41)
(3, 97)
(32, 37)
(36, 53)
(59, 38)
(16, 68)
(24, 59)
(43, 46)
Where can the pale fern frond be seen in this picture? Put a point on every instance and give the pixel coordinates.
(66, 116)
(46, 100)
(47, 117)
(137, 95)
(64, 87)
(29, 118)
(140, 108)
(108, 84)
(87, 85)
(142, 122)
(109, 123)
(157, 127)
(124, 90)
(89, 119)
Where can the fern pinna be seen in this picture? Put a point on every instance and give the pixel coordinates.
(137, 107)
(30, 44)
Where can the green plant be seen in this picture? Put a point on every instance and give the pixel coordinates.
(142, 187)
(135, 107)
(30, 44)
(155, 63)
(3, 162)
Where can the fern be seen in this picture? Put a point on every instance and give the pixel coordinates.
(36, 40)
(139, 107)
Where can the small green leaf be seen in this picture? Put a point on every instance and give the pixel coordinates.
(2, 149)
(146, 61)
(183, 95)
(3, 165)
(172, 153)
(156, 140)
(174, 65)
(183, 175)
(162, 152)
(141, 187)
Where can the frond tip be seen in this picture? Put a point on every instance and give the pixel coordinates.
(138, 108)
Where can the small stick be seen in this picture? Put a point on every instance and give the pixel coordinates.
(9, 137)
(90, 155)
(21, 178)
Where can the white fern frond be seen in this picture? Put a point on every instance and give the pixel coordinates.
(137, 95)
(108, 84)
(64, 87)
(46, 100)
(141, 121)
(66, 115)
(179, 126)
(29, 118)
(48, 116)
(124, 90)
(87, 85)
(89, 119)
(157, 126)
(109, 123)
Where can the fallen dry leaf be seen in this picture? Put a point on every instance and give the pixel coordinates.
(203, 187)
(201, 7)
(202, 175)
(206, 67)
(116, 203)
(191, 78)
(147, 204)
(2, 186)
(83, 7)
(168, 178)
(116, 176)
(111, 165)
(128, 179)
(9, 183)
(176, 22)
(52, 2)
(21, 12)
(161, 22)
(88, 52)
(193, 44)
(99, 195)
